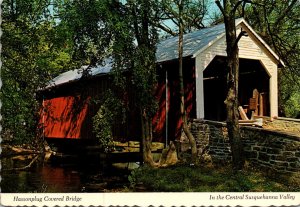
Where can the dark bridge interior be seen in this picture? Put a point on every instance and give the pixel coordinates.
(252, 76)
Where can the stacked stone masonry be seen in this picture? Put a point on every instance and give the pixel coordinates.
(283, 124)
(262, 147)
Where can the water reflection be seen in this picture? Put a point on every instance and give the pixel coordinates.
(42, 179)
(48, 178)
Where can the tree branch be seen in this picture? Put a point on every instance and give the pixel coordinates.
(269, 30)
(23, 168)
(220, 7)
(236, 6)
(169, 11)
(243, 8)
(135, 25)
(172, 18)
(242, 33)
(164, 28)
(283, 14)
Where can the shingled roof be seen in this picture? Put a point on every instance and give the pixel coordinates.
(73, 75)
(192, 42)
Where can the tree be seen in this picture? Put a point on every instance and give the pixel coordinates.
(229, 9)
(186, 15)
(181, 84)
(83, 23)
(32, 54)
(122, 31)
(144, 69)
(192, 16)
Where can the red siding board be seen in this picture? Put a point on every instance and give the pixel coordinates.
(68, 113)
(63, 117)
(159, 119)
(174, 120)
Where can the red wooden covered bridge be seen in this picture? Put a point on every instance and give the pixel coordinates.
(68, 109)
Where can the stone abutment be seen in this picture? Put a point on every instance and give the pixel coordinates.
(267, 148)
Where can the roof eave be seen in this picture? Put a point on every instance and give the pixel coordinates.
(53, 85)
(238, 22)
(280, 62)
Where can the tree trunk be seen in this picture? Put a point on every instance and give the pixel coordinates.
(232, 113)
(181, 88)
(147, 139)
(231, 101)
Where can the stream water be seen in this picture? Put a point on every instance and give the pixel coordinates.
(59, 178)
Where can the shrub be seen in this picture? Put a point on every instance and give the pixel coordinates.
(110, 110)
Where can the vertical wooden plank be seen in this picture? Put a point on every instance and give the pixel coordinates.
(200, 66)
(261, 105)
(256, 96)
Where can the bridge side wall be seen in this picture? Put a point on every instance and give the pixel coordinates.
(265, 148)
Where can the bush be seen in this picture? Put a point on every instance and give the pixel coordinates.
(110, 110)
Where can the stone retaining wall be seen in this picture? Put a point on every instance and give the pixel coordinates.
(264, 148)
(283, 124)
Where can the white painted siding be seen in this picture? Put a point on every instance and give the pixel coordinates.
(249, 48)
(200, 65)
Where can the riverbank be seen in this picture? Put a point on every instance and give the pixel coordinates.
(13, 150)
(28, 170)
(91, 176)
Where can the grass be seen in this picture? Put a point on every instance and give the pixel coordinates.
(182, 178)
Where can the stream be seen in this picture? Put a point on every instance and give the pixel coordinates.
(45, 177)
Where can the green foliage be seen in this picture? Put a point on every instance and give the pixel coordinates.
(203, 179)
(124, 32)
(83, 23)
(292, 106)
(289, 99)
(31, 56)
(111, 109)
(120, 30)
(278, 24)
(132, 178)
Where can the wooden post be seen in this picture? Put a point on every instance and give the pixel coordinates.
(261, 105)
(256, 96)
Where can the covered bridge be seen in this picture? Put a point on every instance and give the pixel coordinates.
(68, 110)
